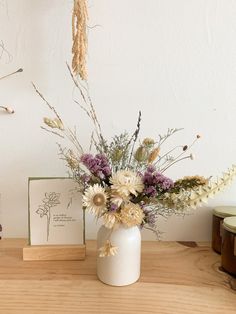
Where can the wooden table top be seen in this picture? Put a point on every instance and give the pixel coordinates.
(180, 278)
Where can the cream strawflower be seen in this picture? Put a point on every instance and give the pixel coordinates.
(94, 199)
(118, 199)
(125, 182)
(108, 250)
(131, 215)
(110, 220)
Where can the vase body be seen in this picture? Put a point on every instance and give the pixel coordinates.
(123, 268)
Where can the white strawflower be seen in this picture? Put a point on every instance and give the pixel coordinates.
(110, 220)
(126, 182)
(131, 215)
(107, 250)
(95, 199)
(118, 199)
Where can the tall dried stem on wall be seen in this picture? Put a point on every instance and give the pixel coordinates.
(79, 34)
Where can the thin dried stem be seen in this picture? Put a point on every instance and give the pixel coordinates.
(134, 137)
(178, 158)
(175, 161)
(166, 154)
(91, 111)
(53, 132)
(5, 76)
(170, 132)
(46, 102)
(74, 140)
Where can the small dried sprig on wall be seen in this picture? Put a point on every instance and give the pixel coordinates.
(79, 35)
(6, 108)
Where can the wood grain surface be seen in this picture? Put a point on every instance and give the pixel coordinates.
(54, 252)
(175, 278)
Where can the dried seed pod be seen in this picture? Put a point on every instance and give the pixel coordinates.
(117, 155)
(153, 155)
(141, 154)
(192, 156)
(10, 110)
(148, 141)
(54, 123)
(59, 124)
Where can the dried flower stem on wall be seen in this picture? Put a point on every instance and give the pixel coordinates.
(5, 76)
(79, 35)
(8, 109)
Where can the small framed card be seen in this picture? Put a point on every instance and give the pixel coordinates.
(56, 217)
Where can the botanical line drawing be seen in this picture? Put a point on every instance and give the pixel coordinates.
(51, 199)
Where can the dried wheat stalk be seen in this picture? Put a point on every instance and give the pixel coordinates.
(79, 35)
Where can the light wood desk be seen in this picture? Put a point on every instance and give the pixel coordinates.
(176, 278)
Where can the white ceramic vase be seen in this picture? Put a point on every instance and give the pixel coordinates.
(123, 268)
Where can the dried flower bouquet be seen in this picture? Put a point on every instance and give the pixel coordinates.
(124, 181)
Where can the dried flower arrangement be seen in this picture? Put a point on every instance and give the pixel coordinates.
(124, 182)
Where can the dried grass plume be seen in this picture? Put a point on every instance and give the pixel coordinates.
(79, 35)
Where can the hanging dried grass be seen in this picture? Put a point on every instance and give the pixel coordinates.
(79, 35)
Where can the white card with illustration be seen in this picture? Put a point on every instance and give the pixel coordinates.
(55, 212)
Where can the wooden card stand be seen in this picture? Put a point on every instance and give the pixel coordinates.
(54, 252)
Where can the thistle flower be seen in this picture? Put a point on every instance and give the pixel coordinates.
(141, 154)
(148, 142)
(117, 154)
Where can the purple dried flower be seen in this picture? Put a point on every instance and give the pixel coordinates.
(97, 165)
(85, 159)
(85, 178)
(150, 191)
(151, 168)
(148, 178)
(113, 207)
(164, 182)
(155, 182)
(107, 171)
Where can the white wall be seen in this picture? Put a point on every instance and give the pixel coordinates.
(173, 59)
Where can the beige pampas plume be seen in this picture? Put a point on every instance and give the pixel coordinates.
(79, 35)
(203, 193)
(193, 197)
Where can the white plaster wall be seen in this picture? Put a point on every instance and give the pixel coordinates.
(173, 59)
